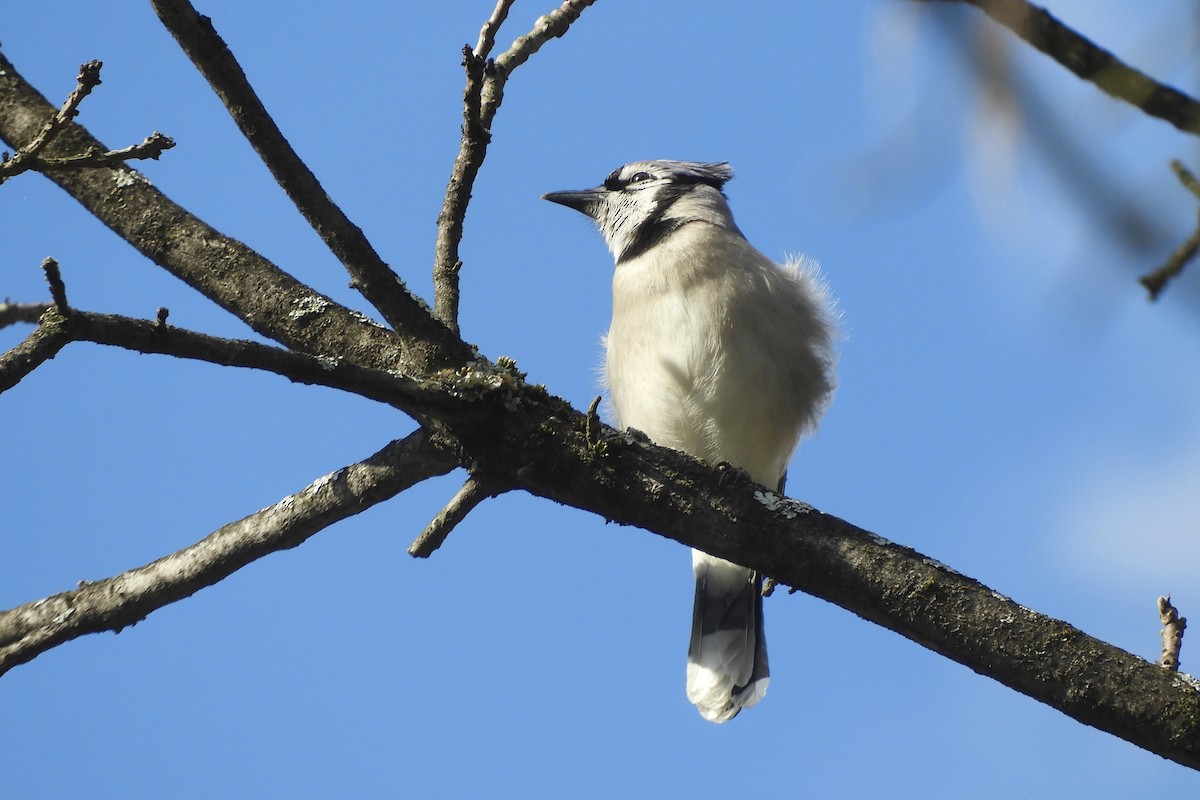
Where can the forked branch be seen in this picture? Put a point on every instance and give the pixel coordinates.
(369, 274)
(30, 156)
(481, 100)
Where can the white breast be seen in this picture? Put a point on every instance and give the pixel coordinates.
(717, 351)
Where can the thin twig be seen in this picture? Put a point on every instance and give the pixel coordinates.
(482, 96)
(12, 313)
(30, 156)
(26, 157)
(1171, 633)
(469, 495)
(1183, 255)
(151, 147)
(1091, 62)
(487, 34)
(120, 601)
(155, 336)
(368, 272)
(1157, 280)
(550, 26)
(1185, 176)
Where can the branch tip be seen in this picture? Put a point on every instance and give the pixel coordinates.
(593, 423)
(1171, 633)
(1157, 280)
(58, 289)
(473, 492)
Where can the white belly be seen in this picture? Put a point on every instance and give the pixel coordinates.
(707, 353)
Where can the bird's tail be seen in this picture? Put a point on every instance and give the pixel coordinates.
(727, 658)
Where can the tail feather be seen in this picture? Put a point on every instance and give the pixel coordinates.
(727, 657)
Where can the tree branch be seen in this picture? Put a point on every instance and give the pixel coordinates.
(481, 100)
(550, 26)
(88, 79)
(145, 336)
(636, 483)
(29, 157)
(369, 274)
(465, 500)
(1091, 62)
(517, 434)
(487, 34)
(36, 349)
(12, 313)
(1156, 281)
(151, 148)
(118, 602)
(223, 269)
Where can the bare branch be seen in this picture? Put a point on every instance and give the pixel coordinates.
(633, 482)
(1091, 62)
(146, 336)
(222, 268)
(120, 601)
(550, 26)
(37, 348)
(1185, 176)
(471, 494)
(12, 313)
(369, 274)
(1171, 633)
(58, 290)
(1157, 280)
(481, 100)
(1183, 255)
(487, 34)
(151, 147)
(26, 157)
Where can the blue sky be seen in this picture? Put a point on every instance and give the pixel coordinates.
(1009, 404)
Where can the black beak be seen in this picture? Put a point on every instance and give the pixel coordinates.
(584, 201)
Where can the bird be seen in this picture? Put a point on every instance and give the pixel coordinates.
(715, 350)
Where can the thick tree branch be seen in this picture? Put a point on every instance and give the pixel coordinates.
(37, 348)
(121, 601)
(222, 268)
(1091, 62)
(517, 434)
(481, 100)
(370, 275)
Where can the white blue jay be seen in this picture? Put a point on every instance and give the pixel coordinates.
(717, 351)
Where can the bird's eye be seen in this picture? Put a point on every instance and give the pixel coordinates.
(641, 177)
